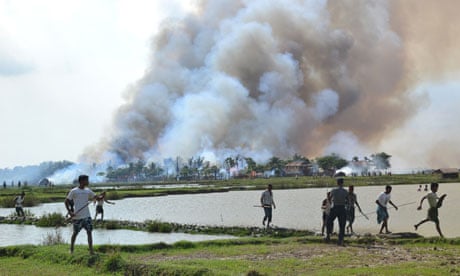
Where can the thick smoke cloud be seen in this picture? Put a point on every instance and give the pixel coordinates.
(271, 78)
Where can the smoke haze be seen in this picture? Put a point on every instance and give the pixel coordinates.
(273, 78)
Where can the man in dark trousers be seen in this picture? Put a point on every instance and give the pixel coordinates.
(339, 199)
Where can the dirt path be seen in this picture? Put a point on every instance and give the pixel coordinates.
(359, 255)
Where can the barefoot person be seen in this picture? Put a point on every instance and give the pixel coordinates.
(326, 208)
(435, 203)
(266, 200)
(352, 200)
(382, 211)
(339, 198)
(81, 218)
(99, 205)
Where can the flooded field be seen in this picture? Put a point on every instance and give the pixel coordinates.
(297, 208)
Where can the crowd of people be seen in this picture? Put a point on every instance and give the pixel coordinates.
(339, 204)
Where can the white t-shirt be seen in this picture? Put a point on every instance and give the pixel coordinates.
(383, 199)
(80, 198)
(432, 199)
(19, 200)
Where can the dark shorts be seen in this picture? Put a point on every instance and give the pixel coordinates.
(433, 214)
(19, 211)
(350, 214)
(82, 223)
(99, 209)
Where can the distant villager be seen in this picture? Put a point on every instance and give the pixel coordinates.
(99, 205)
(18, 201)
(266, 200)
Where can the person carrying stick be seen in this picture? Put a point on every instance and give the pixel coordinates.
(99, 205)
(81, 217)
(266, 200)
(352, 200)
(435, 203)
(382, 212)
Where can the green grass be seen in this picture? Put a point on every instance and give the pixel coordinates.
(247, 256)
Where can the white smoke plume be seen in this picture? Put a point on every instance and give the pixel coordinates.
(266, 78)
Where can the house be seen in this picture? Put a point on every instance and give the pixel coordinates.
(447, 172)
(300, 168)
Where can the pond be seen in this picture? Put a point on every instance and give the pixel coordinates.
(13, 234)
(296, 208)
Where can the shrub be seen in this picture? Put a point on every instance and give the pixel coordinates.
(111, 225)
(113, 195)
(114, 263)
(51, 220)
(157, 226)
(53, 238)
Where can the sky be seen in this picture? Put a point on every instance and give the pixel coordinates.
(66, 67)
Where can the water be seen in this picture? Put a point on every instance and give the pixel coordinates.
(13, 234)
(298, 209)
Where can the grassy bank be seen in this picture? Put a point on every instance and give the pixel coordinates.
(306, 255)
(36, 195)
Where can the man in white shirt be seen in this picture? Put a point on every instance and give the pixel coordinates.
(382, 212)
(81, 217)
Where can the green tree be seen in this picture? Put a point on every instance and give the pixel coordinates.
(381, 160)
(276, 164)
(229, 163)
(251, 164)
(331, 163)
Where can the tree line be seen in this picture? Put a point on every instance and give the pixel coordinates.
(199, 168)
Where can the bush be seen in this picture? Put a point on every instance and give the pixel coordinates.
(51, 220)
(112, 225)
(114, 263)
(157, 226)
(53, 238)
(184, 244)
(113, 195)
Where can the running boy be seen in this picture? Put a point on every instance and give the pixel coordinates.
(435, 203)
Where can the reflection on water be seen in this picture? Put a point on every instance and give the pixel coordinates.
(28, 234)
(299, 209)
